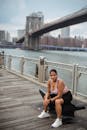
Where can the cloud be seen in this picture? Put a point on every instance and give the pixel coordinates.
(10, 28)
(13, 16)
(20, 17)
(79, 30)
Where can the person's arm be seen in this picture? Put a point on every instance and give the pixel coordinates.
(48, 90)
(61, 86)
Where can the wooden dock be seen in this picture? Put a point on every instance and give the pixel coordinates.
(20, 104)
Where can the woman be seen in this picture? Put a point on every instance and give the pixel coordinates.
(57, 94)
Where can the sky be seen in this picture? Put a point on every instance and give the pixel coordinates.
(13, 13)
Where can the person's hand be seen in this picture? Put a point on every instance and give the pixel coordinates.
(47, 101)
(51, 99)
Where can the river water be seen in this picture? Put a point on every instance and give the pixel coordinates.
(69, 57)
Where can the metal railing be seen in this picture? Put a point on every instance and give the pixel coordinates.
(75, 76)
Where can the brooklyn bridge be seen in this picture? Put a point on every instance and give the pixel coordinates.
(34, 30)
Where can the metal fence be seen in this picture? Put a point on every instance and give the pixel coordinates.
(75, 76)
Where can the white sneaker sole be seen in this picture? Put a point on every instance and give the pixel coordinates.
(56, 126)
(43, 116)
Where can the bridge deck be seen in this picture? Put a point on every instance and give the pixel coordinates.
(20, 104)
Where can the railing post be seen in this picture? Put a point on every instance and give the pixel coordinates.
(2, 59)
(22, 65)
(9, 62)
(73, 79)
(41, 71)
(46, 72)
(76, 79)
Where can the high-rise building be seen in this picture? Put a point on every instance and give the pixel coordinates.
(7, 36)
(2, 35)
(20, 33)
(65, 32)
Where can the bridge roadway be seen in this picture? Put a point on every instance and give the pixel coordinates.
(72, 19)
(20, 104)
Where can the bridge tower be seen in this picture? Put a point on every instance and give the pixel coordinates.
(33, 22)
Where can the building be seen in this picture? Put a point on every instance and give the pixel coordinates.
(2, 35)
(7, 36)
(14, 39)
(65, 32)
(20, 33)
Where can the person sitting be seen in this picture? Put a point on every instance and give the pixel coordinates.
(57, 94)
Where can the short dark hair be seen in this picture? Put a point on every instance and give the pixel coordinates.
(53, 70)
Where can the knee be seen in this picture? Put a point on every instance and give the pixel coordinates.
(58, 102)
(45, 103)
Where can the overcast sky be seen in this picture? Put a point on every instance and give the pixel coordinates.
(13, 13)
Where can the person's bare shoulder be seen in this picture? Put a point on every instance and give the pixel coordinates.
(61, 83)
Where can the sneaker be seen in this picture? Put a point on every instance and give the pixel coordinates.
(44, 114)
(57, 123)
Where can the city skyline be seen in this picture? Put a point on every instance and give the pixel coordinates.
(13, 13)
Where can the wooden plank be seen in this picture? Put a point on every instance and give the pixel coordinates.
(20, 104)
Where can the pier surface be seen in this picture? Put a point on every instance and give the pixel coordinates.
(20, 104)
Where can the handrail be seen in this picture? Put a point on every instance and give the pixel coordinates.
(37, 69)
